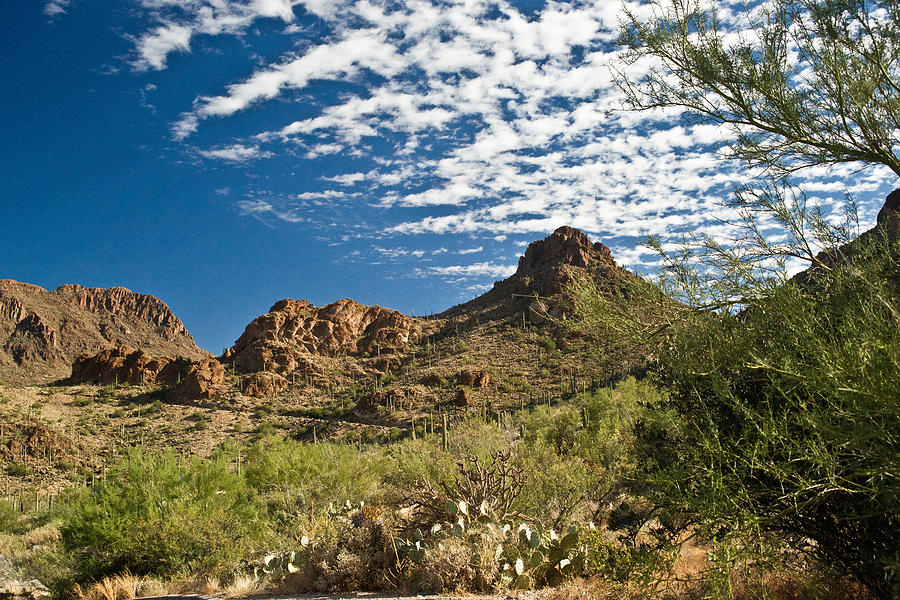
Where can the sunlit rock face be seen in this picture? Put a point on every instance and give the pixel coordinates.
(43, 332)
(293, 333)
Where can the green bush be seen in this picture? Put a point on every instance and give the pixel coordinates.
(9, 518)
(18, 469)
(155, 515)
(788, 416)
(296, 478)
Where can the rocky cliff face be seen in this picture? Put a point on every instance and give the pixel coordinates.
(293, 333)
(43, 332)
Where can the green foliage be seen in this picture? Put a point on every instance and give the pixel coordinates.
(296, 479)
(9, 518)
(789, 414)
(155, 515)
(546, 342)
(808, 82)
(18, 469)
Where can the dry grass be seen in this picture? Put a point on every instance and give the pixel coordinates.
(46, 534)
(121, 587)
(244, 585)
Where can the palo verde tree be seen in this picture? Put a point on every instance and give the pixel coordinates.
(785, 399)
(797, 82)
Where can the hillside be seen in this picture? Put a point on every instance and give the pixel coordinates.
(509, 379)
(43, 332)
(344, 370)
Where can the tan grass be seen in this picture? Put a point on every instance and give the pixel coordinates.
(244, 585)
(42, 535)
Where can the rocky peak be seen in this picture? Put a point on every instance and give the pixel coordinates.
(546, 264)
(548, 270)
(566, 245)
(890, 213)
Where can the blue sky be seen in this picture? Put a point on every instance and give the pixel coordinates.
(223, 155)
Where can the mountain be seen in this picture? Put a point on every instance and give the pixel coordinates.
(544, 278)
(133, 375)
(43, 332)
(296, 344)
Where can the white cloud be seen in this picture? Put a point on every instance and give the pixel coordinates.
(56, 7)
(481, 269)
(153, 49)
(235, 153)
(459, 117)
(261, 209)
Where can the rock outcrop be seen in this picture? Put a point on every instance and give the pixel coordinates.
(127, 365)
(398, 398)
(289, 338)
(202, 382)
(474, 378)
(262, 384)
(14, 589)
(887, 228)
(43, 332)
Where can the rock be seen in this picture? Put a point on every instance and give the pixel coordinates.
(402, 398)
(387, 364)
(13, 589)
(32, 339)
(127, 365)
(262, 384)
(545, 267)
(887, 224)
(202, 382)
(462, 397)
(294, 332)
(43, 333)
(542, 285)
(889, 215)
(474, 378)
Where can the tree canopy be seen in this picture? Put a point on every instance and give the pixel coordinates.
(798, 82)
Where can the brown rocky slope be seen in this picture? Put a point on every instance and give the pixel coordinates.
(43, 332)
(543, 281)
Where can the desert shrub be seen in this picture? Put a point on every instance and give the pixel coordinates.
(156, 515)
(16, 469)
(296, 478)
(410, 460)
(787, 414)
(353, 550)
(580, 454)
(9, 518)
(557, 487)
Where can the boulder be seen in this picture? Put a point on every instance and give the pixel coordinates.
(402, 398)
(474, 378)
(262, 384)
(202, 381)
(13, 589)
(462, 398)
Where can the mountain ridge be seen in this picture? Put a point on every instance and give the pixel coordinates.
(43, 332)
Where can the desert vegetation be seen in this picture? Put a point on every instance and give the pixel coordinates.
(574, 491)
(729, 430)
